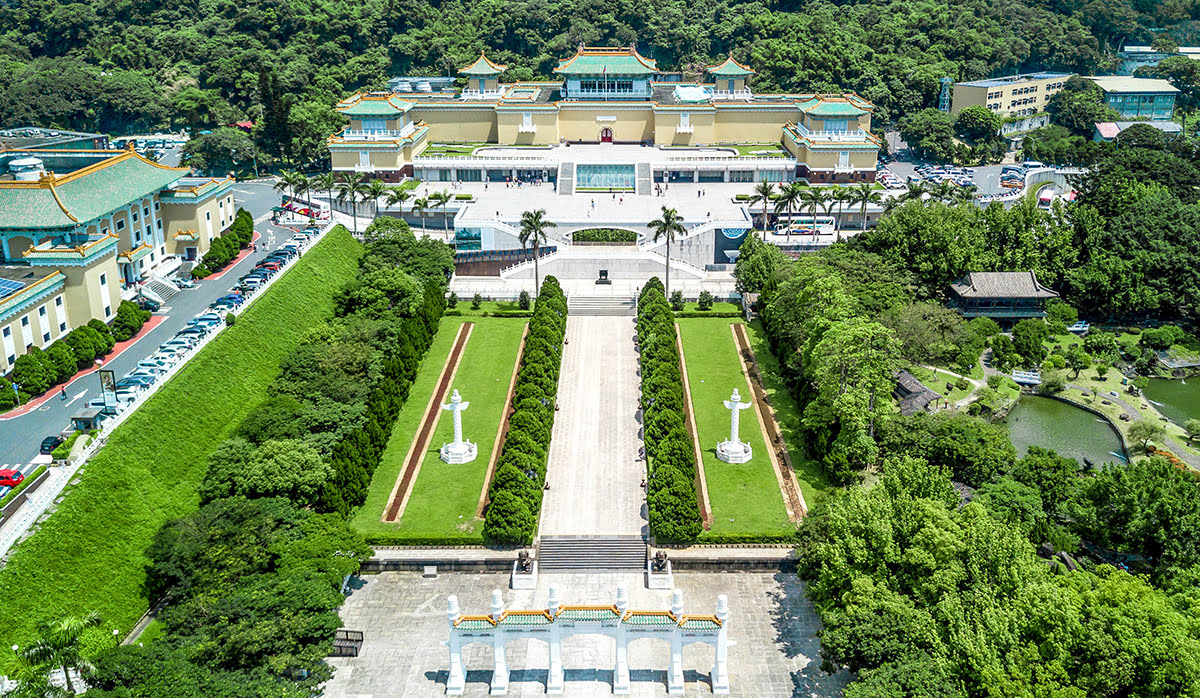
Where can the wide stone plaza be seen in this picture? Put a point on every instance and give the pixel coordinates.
(774, 652)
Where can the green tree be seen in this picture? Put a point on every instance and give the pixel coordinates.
(1144, 431)
(439, 199)
(667, 227)
(929, 133)
(1192, 428)
(864, 195)
(219, 152)
(354, 188)
(59, 645)
(763, 194)
(533, 235)
(1079, 106)
(977, 122)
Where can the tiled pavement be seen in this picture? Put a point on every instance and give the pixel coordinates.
(593, 471)
(403, 616)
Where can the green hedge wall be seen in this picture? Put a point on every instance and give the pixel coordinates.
(604, 235)
(671, 492)
(516, 488)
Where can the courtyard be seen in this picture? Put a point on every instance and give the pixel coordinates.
(774, 652)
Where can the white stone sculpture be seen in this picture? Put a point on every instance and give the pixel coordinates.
(734, 450)
(460, 451)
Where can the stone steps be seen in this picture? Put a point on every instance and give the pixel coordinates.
(601, 305)
(591, 553)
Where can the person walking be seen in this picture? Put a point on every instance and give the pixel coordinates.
(62, 394)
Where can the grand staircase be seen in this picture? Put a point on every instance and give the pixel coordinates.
(160, 287)
(601, 305)
(591, 553)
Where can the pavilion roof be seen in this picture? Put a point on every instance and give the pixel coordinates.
(482, 67)
(590, 60)
(64, 201)
(834, 105)
(730, 68)
(373, 104)
(1001, 284)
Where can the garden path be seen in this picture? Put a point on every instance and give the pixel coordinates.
(595, 468)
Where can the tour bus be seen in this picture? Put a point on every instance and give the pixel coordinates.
(806, 225)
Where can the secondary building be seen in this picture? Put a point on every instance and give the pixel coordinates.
(1001, 295)
(1019, 99)
(605, 95)
(1138, 98)
(79, 229)
(1134, 57)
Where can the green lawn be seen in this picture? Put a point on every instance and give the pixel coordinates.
(91, 554)
(937, 380)
(745, 497)
(441, 149)
(717, 307)
(444, 499)
(813, 483)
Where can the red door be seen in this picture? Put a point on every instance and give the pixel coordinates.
(606, 135)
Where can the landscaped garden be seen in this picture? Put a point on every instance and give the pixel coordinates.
(443, 503)
(745, 498)
(91, 554)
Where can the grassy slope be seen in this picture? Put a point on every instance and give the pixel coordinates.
(90, 554)
(813, 484)
(445, 496)
(747, 493)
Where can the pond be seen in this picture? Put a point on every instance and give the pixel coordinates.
(1069, 430)
(1178, 400)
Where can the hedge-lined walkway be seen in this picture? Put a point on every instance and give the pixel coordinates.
(444, 499)
(745, 498)
(91, 554)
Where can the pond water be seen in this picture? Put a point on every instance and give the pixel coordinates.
(1069, 430)
(1178, 401)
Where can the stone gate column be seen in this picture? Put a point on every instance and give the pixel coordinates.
(621, 672)
(720, 672)
(675, 671)
(456, 683)
(500, 673)
(554, 677)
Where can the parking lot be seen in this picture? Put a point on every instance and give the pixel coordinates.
(21, 435)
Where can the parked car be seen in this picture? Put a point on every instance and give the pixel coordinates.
(48, 445)
(12, 478)
(148, 304)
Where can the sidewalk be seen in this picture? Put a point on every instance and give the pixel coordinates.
(54, 393)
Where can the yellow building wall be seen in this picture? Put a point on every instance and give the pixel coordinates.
(85, 298)
(818, 124)
(633, 123)
(666, 127)
(343, 159)
(751, 125)
(828, 159)
(178, 217)
(965, 96)
(545, 124)
(464, 123)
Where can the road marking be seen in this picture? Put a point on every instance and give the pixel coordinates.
(262, 218)
(72, 400)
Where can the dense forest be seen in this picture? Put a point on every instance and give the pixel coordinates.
(130, 65)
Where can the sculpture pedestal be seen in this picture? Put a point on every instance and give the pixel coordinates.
(734, 451)
(658, 580)
(525, 580)
(456, 453)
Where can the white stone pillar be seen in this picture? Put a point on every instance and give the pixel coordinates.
(456, 683)
(675, 671)
(460, 451)
(500, 673)
(554, 677)
(735, 450)
(621, 672)
(720, 671)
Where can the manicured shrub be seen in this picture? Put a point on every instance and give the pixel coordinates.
(63, 359)
(509, 519)
(706, 301)
(128, 321)
(677, 301)
(477, 302)
(523, 300)
(452, 301)
(33, 372)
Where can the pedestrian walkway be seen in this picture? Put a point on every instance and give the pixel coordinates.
(595, 469)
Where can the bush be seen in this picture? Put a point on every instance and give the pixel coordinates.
(230, 318)
(677, 301)
(33, 372)
(129, 321)
(200, 271)
(452, 301)
(994, 381)
(476, 302)
(604, 235)
(523, 300)
(706, 300)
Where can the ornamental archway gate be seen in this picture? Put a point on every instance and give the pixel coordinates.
(556, 621)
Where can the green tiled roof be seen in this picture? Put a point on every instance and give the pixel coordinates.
(587, 614)
(700, 624)
(818, 106)
(85, 195)
(607, 61)
(524, 619)
(373, 105)
(652, 619)
(474, 625)
(729, 69)
(482, 67)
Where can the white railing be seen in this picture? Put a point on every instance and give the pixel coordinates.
(839, 136)
(481, 94)
(476, 160)
(508, 271)
(527, 128)
(732, 94)
(379, 134)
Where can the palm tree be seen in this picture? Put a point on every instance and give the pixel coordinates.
(812, 198)
(533, 236)
(841, 195)
(671, 225)
(915, 192)
(325, 182)
(352, 187)
(419, 206)
(285, 181)
(943, 191)
(763, 192)
(376, 189)
(58, 645)
(439, 199)
(789, 196)
(301, 185)
(863, 194)
(964, 195)
(396, 195)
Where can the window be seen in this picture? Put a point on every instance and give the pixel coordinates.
(58, 301)
(120, 225)
(62, 327)
(8, 333)
(135, 217)
(685, 120)
(42, 311)
(45, 338)
(146, 211)
(107, 311)
(156, 205)
(208, 215)
(158, 224)
(25, 321)
(103, 279)
(844, 160)
(373, 124)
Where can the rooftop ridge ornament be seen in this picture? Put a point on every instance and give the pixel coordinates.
(460, 451)
(735, 450)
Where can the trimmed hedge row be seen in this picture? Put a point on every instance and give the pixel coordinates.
(223, 249)
(670, 454)
(515, 492)
(604, 235)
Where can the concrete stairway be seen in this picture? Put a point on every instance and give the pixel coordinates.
(601, 305)
(161, 287)
(591, 553)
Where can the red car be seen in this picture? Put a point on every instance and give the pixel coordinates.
(10, 478)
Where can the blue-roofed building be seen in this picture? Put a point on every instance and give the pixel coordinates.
(1019, 99)
(1138, 98)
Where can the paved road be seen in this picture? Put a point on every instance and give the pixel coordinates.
(594, 469)
(20, 437)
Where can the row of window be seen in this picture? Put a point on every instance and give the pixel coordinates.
(27, 330)
(596, 86)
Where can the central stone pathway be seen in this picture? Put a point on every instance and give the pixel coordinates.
(594, 468)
